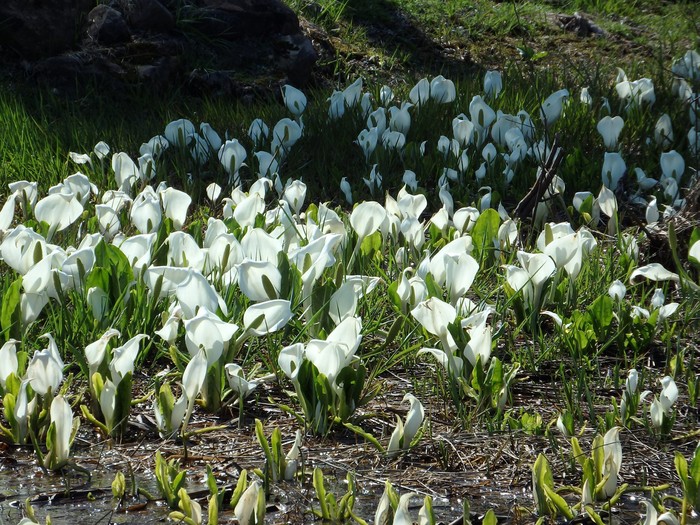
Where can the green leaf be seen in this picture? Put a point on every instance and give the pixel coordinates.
(434, 290)
(558, 502)
(695, 466)
(682, 469)
(278, 460)
(213, 510)
(371, 244)
(531, 423)
(484, 233)
(601, 314)
(694, 237)
(123, 405)
(8, 405)
(92, 419)
(179, 481)
(489, 518)
(118, 485)
(682, 274)
(49, 459)
(211, 482)
(260, 513)
(10, 312)
(262, 440)
(466, 512)
(594, 515)
(393, 331)
(321, 492)
(430, 513)
(269, 288)
(587, 207)
(567, 419)
(393, 296)
(241, 485)
(542, 478)
(287, 283)
(526, 52)
(365, 435)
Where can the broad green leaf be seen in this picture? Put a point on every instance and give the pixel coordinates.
(601, 313)
(577, 451)
(484, 233)
(261, 507)
(434, 290)
(489, 518)
(123, 404)
(269, 288)
(10, 312)
(558, 502)
(371, 244)
(286, 285)
(542, 477)
(681, 465)
(394, 330)
(598, 455)
(119, 485)
(213, 511)
(241, 485)
(393, 296)
(320, 489)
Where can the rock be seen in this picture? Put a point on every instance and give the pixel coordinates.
(207, 83)
(302, 64)
(41, 28)
(160, 73)
(149, 16)
(207, 48)
(238, 19)
(579, 24)
(62, 72)
(107, 26)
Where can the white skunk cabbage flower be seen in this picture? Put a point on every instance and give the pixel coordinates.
(404, 433)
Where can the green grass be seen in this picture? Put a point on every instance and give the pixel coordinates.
(389, 41)
(418, 37)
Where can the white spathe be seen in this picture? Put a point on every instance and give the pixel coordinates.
(175, 206)
(610, 128)
(58, 210)
(294, 100)
(259, 280)
(267, 317)
(614, 168)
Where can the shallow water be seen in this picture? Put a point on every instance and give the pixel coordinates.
(69, 498)
(73, 499)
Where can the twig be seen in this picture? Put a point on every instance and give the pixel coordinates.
(527, 207)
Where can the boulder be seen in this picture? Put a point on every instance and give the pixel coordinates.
(149, 16)
(34, 29)
(207, 46)
(107, 26)
(239, 19)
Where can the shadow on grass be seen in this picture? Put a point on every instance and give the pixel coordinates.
(400, 34)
